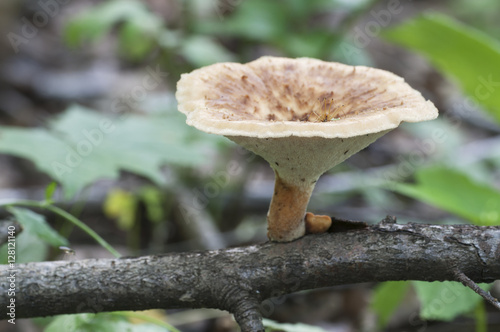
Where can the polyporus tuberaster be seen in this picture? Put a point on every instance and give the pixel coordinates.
(303, 116)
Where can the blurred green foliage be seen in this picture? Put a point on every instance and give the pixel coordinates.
(465, 55)
(208, 31)
(481, 14)
(123, 207)
(139, 29)
(82, 146)
(455, 192)
(105, 322)
(50, 191)
(33, 242)
(386, 298)
(35, 224)
(445, 300)
(212, 31)
(460, 52)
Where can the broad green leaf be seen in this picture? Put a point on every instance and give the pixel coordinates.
(271, 325)
(35, 224)
(37, 145)
(463, 53)
(455, 192)
(29, 248)
(386, 299)
(445, 300)
(82, 146)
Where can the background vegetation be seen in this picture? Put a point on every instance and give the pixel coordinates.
(87, 102)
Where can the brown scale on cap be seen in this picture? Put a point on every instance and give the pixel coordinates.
(303, 116)
(294, 100)
(288, 89)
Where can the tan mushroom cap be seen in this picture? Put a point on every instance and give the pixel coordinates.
(271, 97)
(304, 116)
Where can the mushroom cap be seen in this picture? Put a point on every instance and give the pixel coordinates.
(279, 97)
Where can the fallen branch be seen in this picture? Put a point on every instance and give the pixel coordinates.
(239, 279)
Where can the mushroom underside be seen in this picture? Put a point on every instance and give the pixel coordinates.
(298, 162)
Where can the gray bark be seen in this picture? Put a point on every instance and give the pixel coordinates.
(239, 279)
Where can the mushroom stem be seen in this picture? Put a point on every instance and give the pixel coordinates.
(287, 211)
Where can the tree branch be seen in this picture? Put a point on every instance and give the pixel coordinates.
(239, 279)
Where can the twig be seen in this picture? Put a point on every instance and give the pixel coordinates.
(466, 281)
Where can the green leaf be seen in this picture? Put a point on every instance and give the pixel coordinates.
(260, 20)
(346, 52)
(98, 322)
(139, 33)
(83, 146)
(63, 323)
(203, 51)
(29, 248)
(35, 223)
(50, 190)
(311, 44)
(481, 317)
(445, 300)
(275, 326)
(134, 42)
(37, 145)
(481, 14)
(386, 299)
(463, 53)
(96, 22)
(455, 192)
(153, 201)
(121, 205)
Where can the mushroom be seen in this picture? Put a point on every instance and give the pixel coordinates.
(303, 116)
